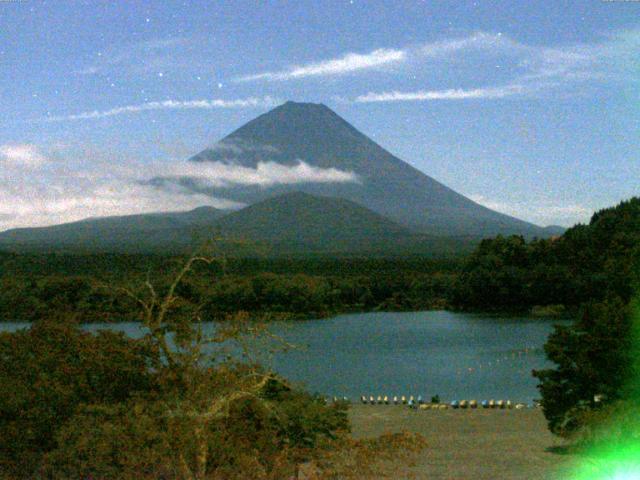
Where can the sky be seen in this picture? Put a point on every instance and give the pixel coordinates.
(529, 108)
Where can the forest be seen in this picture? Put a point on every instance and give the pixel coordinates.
(509, 274)
(587, 263)
(90, 286)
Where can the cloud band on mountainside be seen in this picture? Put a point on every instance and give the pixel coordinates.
(37, 191)
(266, 174)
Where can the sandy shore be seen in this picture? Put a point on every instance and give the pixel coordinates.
(470, 444)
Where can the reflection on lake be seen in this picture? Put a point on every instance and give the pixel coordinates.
(455, 355)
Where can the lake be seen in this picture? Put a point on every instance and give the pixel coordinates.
(455, 355)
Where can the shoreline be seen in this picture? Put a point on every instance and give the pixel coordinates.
(293, 318)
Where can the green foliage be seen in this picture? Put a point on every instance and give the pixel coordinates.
(592, 357)
(286, 294)
(47, 371)
(144, 438)
(587, 263)
(104, 406)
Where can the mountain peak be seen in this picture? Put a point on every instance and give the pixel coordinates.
(313, 133)
(303, 107)
(302, 111)
(293, 104)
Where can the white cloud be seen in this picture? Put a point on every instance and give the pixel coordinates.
(30, 205)
(251, 102)
(348, 63)
(266, 174)
(450, 94)
(21, 155)
(61, 194)
(75, 188)
(541, 212)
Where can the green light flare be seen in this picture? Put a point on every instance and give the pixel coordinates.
(620, 462)
(619, 458)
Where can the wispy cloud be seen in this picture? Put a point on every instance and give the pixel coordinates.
(479, 41)
(251, 102)
(518, 68)
(348, 63)
(145, 56)
(450, 94)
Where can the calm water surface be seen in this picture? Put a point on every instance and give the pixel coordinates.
(454, 355)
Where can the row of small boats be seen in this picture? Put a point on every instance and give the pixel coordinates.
(380, 400)
(496, 404)
(418, 402)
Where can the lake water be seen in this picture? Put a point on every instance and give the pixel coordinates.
(455, 355)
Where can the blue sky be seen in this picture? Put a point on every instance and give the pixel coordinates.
(531, 108)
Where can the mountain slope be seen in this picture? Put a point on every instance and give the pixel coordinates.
(130, 232)
(300, 223)
(303, 220)
(293, 223)
(313, 133)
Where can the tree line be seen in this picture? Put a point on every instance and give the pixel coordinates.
(587, 263)
(92, 298)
